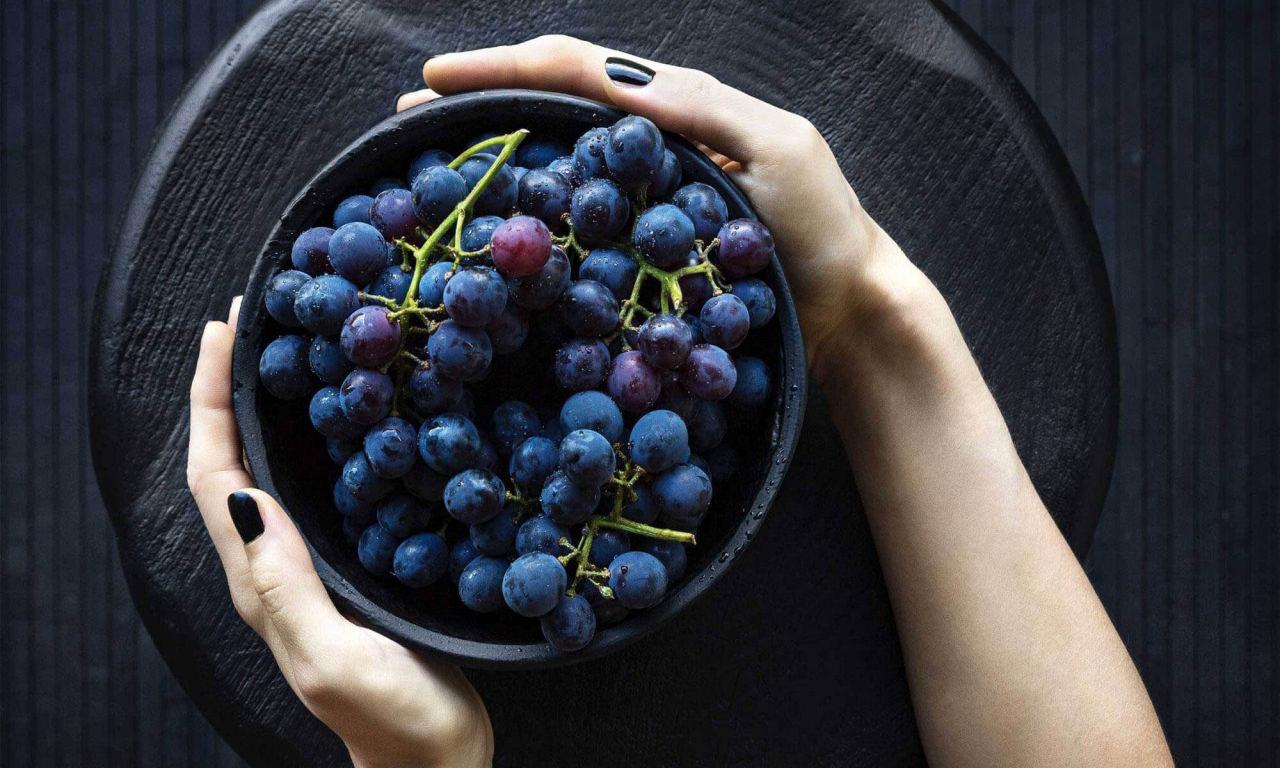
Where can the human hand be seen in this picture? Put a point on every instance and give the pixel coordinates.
(390, 706)
(843, 269)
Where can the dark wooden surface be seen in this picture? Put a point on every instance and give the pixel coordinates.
(1167, 112)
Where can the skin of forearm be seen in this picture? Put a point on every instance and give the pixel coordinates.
(1011, 658)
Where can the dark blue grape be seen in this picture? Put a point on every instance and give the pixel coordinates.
(377, 549)
(536, 153)
(349, 506)
(421, 560)
(541, 534)
(567, 503)
(599, 210)
(383, 184)
(509, 330)
(477, 233)
(722, 462)
(474, 496)
(588, 154)
(513, 423)
(431, 286)
(460, 353)
(533, 584)
(707, 424)
(499, 196)
(642, 509)
(283, 368)
(532, 461)
(632, 383)
(364, 484)
(541, 289)
(695, 289)
(672, 554)
(665, 341)
(324, 303)
(708, 373)
(403, 515)
(393, 214)
(667, 177)
(449, 443)
(352, 209)
(460, 556)
(496, 536)
(759, 299)
(489, 458)
(725, 321)
(466, 405)
(566, 169)
(545, 195)
(746, 247)
(282, 291)
(664, 236)
(607, 545)
(633, 152)
(480, 585)
(424, 482)
(569, 626)
(592, 410)
(611, 268)
(366, 396)
(659, 440)
(589, 308)
(637, 579)
(370, 338)
(752, 387)
(551, 430)
(436, 192)
(581, 364)
(358, 252)
(310, 252)
(607, 610)
(705, 208)
(475, 296)
(428, 159)
(586, 457)
(391, 283)
(683, 494)
(392, 446)
(431, 392)
(340, 449)
(327, 417)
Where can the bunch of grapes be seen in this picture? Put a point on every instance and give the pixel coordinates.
(596, 301)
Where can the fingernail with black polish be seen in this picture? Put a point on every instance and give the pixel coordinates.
(245, 515)
(627, 72)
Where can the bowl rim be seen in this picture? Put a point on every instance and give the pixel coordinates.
(788, 418)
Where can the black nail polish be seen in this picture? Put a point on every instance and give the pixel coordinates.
(245, 515)
(627, 72)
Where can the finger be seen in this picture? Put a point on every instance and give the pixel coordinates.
(686, 101)
(414, 98)
(233, 314)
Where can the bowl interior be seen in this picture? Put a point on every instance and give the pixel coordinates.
(288, 458)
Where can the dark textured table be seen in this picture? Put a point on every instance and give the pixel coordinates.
(792, 660)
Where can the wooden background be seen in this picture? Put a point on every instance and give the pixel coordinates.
(1168, 113)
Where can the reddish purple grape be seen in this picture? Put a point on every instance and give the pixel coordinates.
(632, 384)
(746, 246)
(581, 364)
(520, 246)
(370, 338)
(393, 215)
(708, 374)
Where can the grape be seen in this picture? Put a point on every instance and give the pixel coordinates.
(581, 364)
(480, 585)
(532, 461)
(392, 446)
(282, 291)
(545, 194)
(752, 388)
(284, 370)
(436, 192)
(588, 154)
(633, 152)
(533, 584)
(370, 338)
(360, 479)
(421, 560)
(599, 210)
(353, 209)
(695, 288)
(705, 208)
(594, 411)
(466, 404)
(521, 246)
(449, 443)
(566, 169)
(358, 252)
(495, 537)
(513, 423)
(377, 549)
(659, 440)
(474, 496)
(722, 463)
(758, 298)
(672, 554)
(632, 384)
(403, 515)
(349, 506)
(746, 247)
(567, 503)
(424, 482)
(428, 159)
(327, 417)
(431, 286)
(700, 463)
(708, 373)
(460, 353)
(707, 424)
(667, 177)
(607, 611)
(696, 327)
(613, 269)
(460, 556)
(642, 509)
(725, 321)
(637, 579)
(393, 215)
(509, 330)
(607, 545)
(569, 626)
(586, 458)
(489, 458)
(478, 232)
(325, 302)
(340, 449)
(541, 534)
(431, 392)
(366, 395)
(499, 197)
(536, 153)
(683, 494)
(475, 296)
(589, 308)
(383, 184)
(541, 289)
(664, 236)
(310, 252)
(391, 283)
(665, 341)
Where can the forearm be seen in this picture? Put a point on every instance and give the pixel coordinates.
(1010, 656)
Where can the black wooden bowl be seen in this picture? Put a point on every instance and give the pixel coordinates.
(288, 459)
